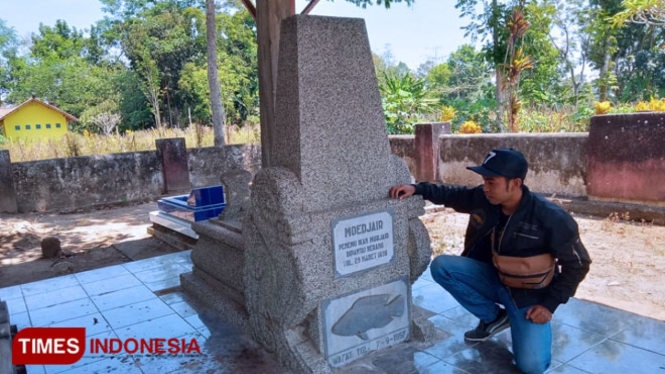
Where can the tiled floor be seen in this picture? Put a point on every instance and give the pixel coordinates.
(143, 299)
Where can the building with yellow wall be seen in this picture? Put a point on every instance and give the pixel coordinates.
(34, 119)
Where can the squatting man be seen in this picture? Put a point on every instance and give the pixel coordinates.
(522, 256)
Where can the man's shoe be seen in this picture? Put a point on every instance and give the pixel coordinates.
(485, 330)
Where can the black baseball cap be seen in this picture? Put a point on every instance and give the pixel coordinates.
(503, 162)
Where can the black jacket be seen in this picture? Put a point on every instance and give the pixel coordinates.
(538, 226)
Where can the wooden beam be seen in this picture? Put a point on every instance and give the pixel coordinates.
(250, 7)
(310, 6)
(270, 14)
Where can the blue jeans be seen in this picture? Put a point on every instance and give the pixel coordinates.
(476, 286)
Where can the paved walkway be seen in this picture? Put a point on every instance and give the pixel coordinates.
(142, 299)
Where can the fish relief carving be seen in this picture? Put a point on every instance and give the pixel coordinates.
(369, 312)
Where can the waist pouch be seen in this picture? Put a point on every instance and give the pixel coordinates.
(525, 272)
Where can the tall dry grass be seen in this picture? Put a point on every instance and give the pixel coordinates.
(74, 144)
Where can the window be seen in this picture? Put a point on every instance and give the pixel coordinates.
(17, 127)
(38, 126)
(48, 125)
(57, 125)
(27, 127)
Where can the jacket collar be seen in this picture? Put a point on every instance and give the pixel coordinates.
(527, 196)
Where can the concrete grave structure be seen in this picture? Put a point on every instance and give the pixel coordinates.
(320, 271)
(172, 223)
(173, 155)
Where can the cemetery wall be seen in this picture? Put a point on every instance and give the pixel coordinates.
(558, 164)
(67, 184)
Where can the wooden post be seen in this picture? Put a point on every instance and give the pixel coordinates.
(8, 201)
(269, 15)
(427, 150)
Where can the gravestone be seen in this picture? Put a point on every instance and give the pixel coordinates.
(172, 154)
(329, 258)
(317, 266)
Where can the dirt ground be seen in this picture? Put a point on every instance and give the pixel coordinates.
(627, 270)
(89, 240)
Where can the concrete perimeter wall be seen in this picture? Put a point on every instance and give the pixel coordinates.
(557, 162)
(67, 184)
(620, 160)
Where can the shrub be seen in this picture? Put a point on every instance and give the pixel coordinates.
(602, 107)
(470, 127)
(447, 113)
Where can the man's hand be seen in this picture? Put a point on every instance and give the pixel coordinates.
(402, 191)
(539, 314)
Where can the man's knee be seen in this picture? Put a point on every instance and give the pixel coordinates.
(532, 364)
(440, 267)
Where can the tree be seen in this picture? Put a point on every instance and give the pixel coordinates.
(470, 90)
(638, 62)
(469, 75)
(517, 62)
(8, 52)
(56, 71)
(158, 45)
(146, 68)
(218, 119)
(237, 71)
(438, 78)
(603, 42)
(490, 26)
(59, 42)
(567, 18)
(648, 12)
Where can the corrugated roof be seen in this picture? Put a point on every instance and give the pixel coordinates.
(5, 111)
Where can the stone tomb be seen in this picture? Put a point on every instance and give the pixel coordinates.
(320, 270)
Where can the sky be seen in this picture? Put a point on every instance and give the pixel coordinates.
(429, 29)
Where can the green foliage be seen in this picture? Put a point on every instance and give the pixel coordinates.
(438, 78)
(386, 3)
(543, 84)
(650, 12)
(469, 75)
(638, 69)
(480, 111)
(8, 51)
(463, 82)
(405, 99)
(546, 119)
(238, 69)
(57, 43)
(149, 58)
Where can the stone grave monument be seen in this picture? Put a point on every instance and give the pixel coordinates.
(320, 270)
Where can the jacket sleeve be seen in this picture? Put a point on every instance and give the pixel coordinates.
(572, 257)
(461, 199)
